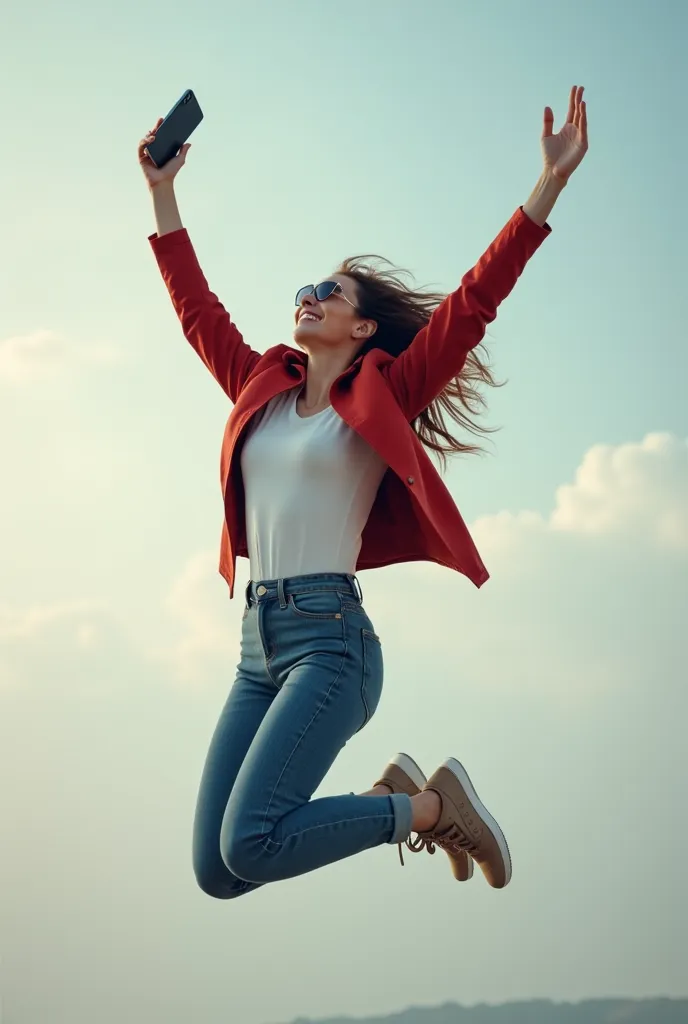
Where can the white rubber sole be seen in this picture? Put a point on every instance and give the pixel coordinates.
(409, 766)
(460, 772)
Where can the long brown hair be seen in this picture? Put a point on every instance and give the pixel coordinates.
(400, 311)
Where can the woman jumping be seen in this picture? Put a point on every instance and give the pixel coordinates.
(325, 470)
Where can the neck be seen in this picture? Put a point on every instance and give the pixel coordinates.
(321, 373)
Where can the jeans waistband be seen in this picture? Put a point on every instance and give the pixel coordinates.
(265, 590)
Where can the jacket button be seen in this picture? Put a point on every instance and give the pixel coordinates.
(410, 480)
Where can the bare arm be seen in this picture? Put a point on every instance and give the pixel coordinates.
(165, 208)
(543, 197)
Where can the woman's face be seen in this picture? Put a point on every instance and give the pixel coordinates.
(334, 321)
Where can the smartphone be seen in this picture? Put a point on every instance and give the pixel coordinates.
(183, 118)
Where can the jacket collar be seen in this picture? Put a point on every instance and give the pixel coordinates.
(295, 362)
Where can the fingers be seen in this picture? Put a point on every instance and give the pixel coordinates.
(572, 104)
(578, 105)
(574, 113)
(580, 116)
(151, 134)
(147, 139)
(143, 148)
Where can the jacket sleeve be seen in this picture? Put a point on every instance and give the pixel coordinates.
(205, 322)
(438, 352)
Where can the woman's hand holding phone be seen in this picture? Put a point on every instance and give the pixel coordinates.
(159, 175)
(160, 182)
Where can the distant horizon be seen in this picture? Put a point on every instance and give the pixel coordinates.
(429, 1013)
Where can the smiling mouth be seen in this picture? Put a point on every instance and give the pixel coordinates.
(309, 316)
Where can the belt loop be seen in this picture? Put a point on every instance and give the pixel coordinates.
(280, 594)
(356, 587)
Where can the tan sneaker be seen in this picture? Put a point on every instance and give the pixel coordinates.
(466, 827)
(402, 775)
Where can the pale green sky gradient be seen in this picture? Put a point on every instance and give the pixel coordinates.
(411, 130)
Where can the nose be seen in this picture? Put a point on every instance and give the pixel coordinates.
(308, 302)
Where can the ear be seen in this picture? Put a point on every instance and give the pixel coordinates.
(365, 329)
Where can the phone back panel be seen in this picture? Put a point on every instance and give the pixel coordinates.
(183, 118)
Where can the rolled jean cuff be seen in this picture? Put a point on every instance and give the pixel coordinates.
(403, 816)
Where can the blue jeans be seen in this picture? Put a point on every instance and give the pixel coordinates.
(310, 676)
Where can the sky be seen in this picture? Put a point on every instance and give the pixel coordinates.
(412, 130)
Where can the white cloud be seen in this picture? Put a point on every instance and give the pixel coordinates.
(60, 631)
(28, 623)
(637, 490)
(26, 357)
(206, 631)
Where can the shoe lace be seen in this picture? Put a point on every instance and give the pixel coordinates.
(416, 845)
(453, 841)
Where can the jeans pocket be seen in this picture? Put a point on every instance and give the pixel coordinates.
(317, 604)
(373, 674)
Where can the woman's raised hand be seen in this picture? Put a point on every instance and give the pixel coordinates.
(564, 151)
(155, 175)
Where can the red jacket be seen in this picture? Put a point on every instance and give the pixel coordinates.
(414, 517)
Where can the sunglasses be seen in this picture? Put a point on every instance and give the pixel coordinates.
(322, 291)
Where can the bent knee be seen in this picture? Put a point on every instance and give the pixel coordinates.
(248, 859)
(215, 880)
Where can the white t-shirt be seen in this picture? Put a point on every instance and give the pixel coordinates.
(310, 484)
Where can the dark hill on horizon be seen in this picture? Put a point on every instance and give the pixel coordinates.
(541, 1011)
